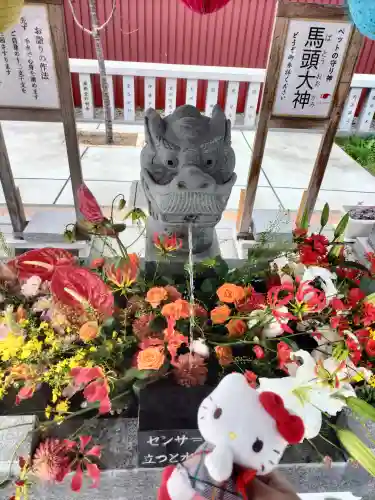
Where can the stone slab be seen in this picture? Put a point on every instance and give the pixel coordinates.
(277, 224)
(49, 226)
(16, 440)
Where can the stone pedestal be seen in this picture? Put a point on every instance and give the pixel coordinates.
(16, 440)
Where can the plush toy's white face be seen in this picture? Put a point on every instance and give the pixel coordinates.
(232, 417)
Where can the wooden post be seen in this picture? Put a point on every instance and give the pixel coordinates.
(11, 193)
(316, 179)
(59, 45)
(272, 76)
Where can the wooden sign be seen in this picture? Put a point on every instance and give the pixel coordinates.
(35, 85)
(311, 63)
(166, 447)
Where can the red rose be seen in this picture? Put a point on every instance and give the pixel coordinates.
(88, 206)
(40, 262)
(79, 287)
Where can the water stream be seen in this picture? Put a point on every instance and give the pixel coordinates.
(191, 284)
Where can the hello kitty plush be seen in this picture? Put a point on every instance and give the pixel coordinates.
(245, 433)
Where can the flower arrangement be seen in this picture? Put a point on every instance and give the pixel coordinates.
(302, 326)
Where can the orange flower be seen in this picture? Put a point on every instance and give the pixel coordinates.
(156, 295)
(220, 314)
(21, 314)
(89, 331)
(151, 358)
(21, 372)
(236, 327)
(97, 263)
(230, 293)
(224, 355)
(173, 293)
(125, 274)
(178, 309)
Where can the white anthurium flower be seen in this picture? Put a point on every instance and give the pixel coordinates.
(200, 347)
(31, 286)
(311, 390)
(326, 279)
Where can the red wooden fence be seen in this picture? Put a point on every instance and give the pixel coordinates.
(165, 31)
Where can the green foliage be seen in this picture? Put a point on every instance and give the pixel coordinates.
(361, 408)
(361, 150)
(325, 216)
(367, 285)
(341, 226)
(366, 393)
(357, 449)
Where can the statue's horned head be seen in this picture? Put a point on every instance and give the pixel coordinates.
(190, 149)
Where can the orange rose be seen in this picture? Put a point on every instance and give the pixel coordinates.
(220, 314)
(89, 331)
(224, 355)
(236, 327)
(156, 295)
(178, 309)
(230, 293)
(151, 358)
(21, 314)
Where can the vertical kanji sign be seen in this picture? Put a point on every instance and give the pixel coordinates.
(310, 68)
(35, 85)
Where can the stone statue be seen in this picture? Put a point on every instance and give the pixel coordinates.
(187, 173)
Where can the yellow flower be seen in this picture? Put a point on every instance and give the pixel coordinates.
(372, 333)
(55, 394)
(43, 325)
(93, 349)
(10, 346)
(62, 406)
(371, 382)
(48, 411)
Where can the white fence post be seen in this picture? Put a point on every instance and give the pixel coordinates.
(85, 88)
(367, 113)
(211, 96)
(129, 98)
(191, 92)
(111, 96)
(350, 107)
(170, 95)
(150, 92)
(231, 101)
(251, 104)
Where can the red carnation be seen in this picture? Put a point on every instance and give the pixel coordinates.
(40, 262)
(88, 206)
(258, 351)
(79, 287)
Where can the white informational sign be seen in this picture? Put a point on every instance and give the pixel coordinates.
(27, 70)
(311, 66)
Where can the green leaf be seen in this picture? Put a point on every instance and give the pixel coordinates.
(121, 204)
(158, 324)
(341, 226)
(325, 216)
(357, 449)
(351, 265)
(367, 285)
(304, 223)
(207, 286)
(361, 408)
(119, 228)
(136, 215)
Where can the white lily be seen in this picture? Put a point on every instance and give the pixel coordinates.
(311, 390)
(274, 327)
(326, 279)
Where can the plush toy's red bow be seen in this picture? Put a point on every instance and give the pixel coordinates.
(244, 477)
(289, 426)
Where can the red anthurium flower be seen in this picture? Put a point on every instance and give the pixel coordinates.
(258, 351)
(79, 287)
(41, 262)
(88, 206)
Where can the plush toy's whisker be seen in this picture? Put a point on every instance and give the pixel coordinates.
(270, 461)
(277, 451)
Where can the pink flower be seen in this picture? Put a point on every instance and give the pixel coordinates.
(26, 392)
(251, 378)
(97, 388)
(258, 351)
(283, 354)
(88, 206)
(83, 458)
(50, 462)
